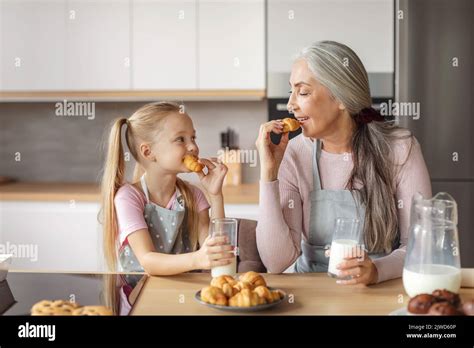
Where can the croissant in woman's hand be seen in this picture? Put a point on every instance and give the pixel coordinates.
(290, 125)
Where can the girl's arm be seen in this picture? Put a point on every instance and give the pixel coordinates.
(154, 263)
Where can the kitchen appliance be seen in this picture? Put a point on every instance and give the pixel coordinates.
(433, 64)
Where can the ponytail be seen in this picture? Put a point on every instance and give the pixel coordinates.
(113, 178)
(191, 212)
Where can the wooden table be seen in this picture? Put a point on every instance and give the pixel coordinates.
(312, 294)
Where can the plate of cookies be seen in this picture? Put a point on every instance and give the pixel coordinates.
(62, 307)
(248, 293)
(440, 302)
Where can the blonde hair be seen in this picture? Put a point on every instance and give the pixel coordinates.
(339, 69)
(142, 126)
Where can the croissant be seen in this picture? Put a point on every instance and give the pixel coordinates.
(268, 295)
(191, 162)
(226, 283)
(213, 295)
(290, 125)
(253, 278)
(246, 298)
(239, 286)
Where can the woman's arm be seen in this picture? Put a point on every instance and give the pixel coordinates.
(413, 177)
(280, 224)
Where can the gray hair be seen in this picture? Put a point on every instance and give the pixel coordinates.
(339, 69)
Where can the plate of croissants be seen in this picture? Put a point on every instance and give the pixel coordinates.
(439, 302)
(248, 293)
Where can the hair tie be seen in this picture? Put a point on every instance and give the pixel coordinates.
(367, 115)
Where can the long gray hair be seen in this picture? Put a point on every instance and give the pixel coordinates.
(340, 70)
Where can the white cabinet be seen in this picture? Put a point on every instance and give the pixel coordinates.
(98, 45)
(52, 235)
(367, 26)
(231, 39)
(164, 44)
(32, 51)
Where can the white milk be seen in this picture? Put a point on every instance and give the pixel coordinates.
(230, 269)
(340, 249)
(430, 277)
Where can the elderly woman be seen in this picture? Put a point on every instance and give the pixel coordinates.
(348, 162)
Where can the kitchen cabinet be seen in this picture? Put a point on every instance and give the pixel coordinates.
(366, 26)
(164, 44)
(231, 40)
(65, 235)
(98, 45)
(32, 42)
(132, 48)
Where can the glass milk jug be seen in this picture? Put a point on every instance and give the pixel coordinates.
(432, 260)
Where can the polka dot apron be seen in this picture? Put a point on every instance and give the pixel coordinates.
(166, 227)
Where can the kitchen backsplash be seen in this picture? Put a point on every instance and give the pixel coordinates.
(37, 145)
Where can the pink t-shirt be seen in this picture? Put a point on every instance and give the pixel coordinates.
(130, 205)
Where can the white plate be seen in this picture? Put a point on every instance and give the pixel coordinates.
(5, 261)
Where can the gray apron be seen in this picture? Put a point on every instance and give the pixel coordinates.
(326, 206)
(167, 231)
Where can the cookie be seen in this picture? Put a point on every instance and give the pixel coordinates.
(447, 296)
(443, 308)
(92, 310)
(420, 304)
(58, 307)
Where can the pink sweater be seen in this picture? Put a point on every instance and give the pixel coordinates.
(282, 225)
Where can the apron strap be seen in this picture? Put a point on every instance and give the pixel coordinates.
(145, 188)
(316, 156)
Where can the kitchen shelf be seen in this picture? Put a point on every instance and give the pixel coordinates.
(134, 95)
(90, 192)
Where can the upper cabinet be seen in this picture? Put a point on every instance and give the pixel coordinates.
(366, 26)
(132, 48)
(98, 45)
(164, 44)
(231, 40)
(32, 38)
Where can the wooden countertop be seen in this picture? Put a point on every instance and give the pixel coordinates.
(89, 192)
(313, 294)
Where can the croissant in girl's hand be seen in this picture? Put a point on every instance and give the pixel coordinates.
(191, 162)
(290, 125)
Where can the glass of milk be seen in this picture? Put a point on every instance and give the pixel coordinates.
(346, 243)
(432, 261)
(225, 227)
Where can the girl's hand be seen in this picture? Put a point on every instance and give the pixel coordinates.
(361, 268)
(214, 252)
(212, 181)
(270, 154)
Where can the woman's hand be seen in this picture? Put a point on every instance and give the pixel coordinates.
(270, 154)
(212, 181)
(361, 268)
(215, 252)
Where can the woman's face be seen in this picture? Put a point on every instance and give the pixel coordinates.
(311, 103)
(176, 139)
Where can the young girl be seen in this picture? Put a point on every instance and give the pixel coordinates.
(159, 223)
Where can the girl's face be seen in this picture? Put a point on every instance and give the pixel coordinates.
(312, 103)
(176, 139)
